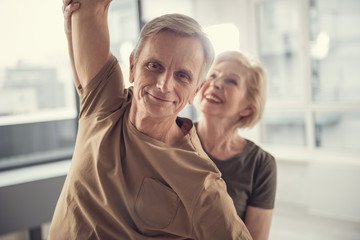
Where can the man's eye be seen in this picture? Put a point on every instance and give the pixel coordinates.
(154, 66)
(182, 76)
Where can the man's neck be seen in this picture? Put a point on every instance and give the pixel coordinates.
(163, 129)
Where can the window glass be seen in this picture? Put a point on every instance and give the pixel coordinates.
(37, 98)
(326, 86)
(224, 37)
(284, 128)
(335, 50)
(34, 66)
(124, 30)
(154, 8)
(279, 41)
(338, 130)
(279, 51)
(38, 104)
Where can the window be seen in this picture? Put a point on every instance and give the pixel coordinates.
(124, 29)
(148, 11)
(38, 104)
(37, 99)
(311, 51)
(224, 37)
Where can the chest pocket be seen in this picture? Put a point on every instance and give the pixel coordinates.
(156, 204)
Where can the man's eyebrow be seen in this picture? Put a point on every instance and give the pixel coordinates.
(152, 60)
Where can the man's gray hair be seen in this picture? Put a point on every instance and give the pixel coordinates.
(182, 25)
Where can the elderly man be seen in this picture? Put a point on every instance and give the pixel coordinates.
(138, 171)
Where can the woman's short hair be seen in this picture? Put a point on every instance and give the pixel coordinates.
(182, 25)
(255, 82)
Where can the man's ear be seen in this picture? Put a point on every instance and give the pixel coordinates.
(201, 85)
(131, 70)
(192, 98)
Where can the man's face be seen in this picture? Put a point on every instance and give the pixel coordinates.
(166, 74)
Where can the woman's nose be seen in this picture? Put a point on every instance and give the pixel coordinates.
(216, 82)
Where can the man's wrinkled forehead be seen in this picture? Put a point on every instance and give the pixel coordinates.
(170, 48)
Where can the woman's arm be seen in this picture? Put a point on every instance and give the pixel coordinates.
(258, 222)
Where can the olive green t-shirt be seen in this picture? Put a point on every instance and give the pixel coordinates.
(250, 178)
(123, 184)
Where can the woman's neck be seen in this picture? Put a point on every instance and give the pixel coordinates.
(219, 137)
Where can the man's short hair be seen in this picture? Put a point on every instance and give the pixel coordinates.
(182, 25)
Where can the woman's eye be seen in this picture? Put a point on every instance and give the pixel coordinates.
(212, 76)
(231, 81)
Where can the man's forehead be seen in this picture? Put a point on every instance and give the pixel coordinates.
(184, 52)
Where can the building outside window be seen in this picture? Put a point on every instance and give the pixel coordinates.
(38, 101)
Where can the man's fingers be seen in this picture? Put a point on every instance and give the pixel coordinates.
(70, 8)
(67, 12)
(66, 2)
(74, 6)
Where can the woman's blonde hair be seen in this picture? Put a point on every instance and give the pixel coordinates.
(255, 82)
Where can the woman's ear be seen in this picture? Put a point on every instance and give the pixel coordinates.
(247, 111)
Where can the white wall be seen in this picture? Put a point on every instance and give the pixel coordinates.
(323, 188)
(332, 190)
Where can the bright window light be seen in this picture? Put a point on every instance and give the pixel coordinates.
(224, 37)
(320, 48)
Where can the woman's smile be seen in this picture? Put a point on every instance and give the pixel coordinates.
(213, 98)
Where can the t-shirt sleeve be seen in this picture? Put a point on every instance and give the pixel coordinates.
(264, 188)
(104, 92)
(215, 216)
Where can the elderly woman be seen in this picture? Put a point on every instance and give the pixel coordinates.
(233, 97)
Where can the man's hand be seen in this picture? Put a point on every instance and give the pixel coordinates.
(68, 8)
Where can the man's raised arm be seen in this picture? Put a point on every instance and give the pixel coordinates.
(90, 38)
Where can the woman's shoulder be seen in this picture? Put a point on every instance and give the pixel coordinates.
(258, 153)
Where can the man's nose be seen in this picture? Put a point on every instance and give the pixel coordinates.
(165, 82)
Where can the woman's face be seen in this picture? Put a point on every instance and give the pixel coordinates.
(224, 92)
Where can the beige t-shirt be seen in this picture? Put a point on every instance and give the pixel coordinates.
(123, 184)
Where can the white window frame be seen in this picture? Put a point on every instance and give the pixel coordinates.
(309, 153)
